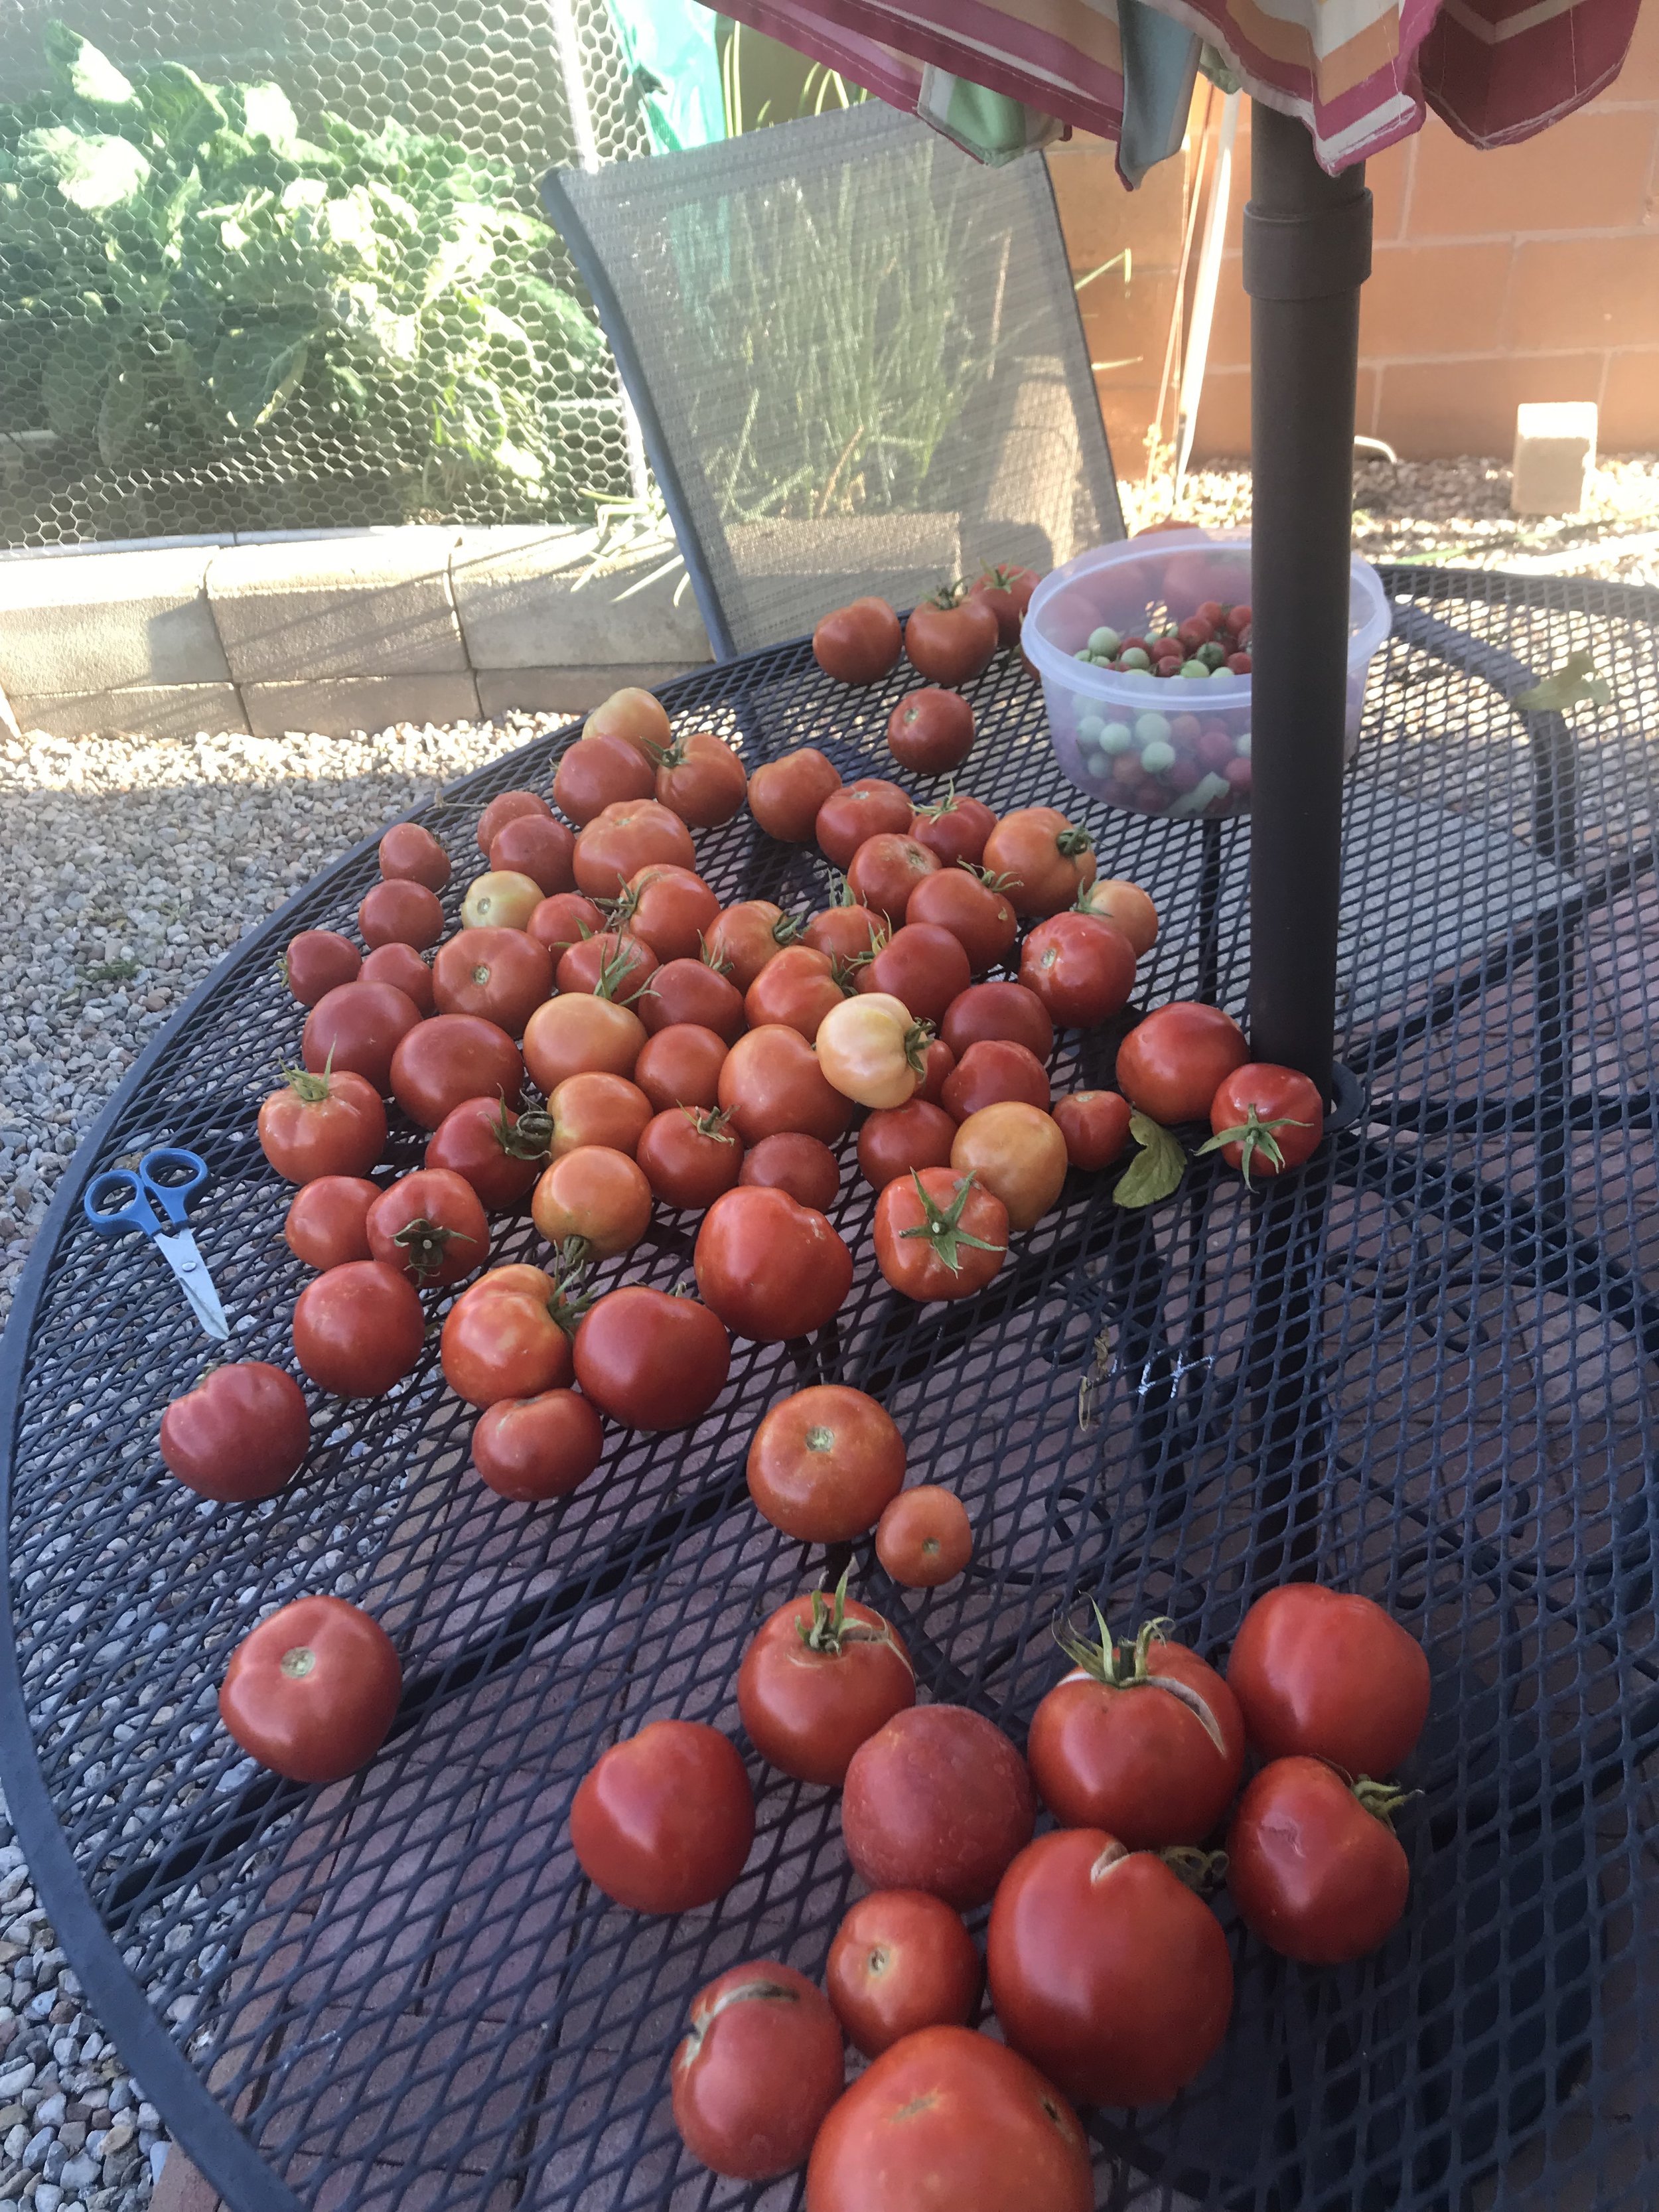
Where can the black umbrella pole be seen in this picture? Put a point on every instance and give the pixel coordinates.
(1307, 252)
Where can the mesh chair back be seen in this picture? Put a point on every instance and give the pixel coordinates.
(857, 360)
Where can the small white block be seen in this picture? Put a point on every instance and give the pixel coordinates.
(1554, 452)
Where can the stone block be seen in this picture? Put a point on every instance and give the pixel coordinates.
(138, 710)
(376, 603)
(566, 691)
(1554, 452)
(525, 600)
(94, 622)
(348, 704)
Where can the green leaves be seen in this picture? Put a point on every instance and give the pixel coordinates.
(82, 70)
(257, 368)
(93, 170)
(1157, 1168)
(1565, 686)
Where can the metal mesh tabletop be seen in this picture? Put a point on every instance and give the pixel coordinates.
(1424, 1367)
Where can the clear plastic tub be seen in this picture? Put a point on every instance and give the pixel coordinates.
(1146, 742)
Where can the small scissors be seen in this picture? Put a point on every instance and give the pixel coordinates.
(140, 1192)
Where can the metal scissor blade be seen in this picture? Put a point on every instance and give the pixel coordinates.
(186, 1262)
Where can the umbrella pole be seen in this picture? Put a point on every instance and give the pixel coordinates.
(1307, 252)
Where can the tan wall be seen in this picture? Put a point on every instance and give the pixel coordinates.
(1531, 272)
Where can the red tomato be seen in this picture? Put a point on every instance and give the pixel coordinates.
(797, 989)
(598, 772)
(821, 1674)
(1095, 1127)
(668, 908)
(999, 1010)
(507, 1336)
(536, 846)
(651, 1360)
(690, 991)
(591, 1202)
(701, 780)
(312, 1690)
(480, 1139)
(901, 1960)
(623, 839)
(955, 828)
(990, 1071)
(885, 870)
(689, 1157)
(847, 932)
(785, 794)
(769, 1267)
(925, 1537)
(1126, 905)
(979, 917)
(240, 1433)
(536, 1448)
(663, 1821)
(359, 1329)
(770, 1082)
(680, 1066)
(506, 806)
(444, 1062)
(1046, 861)
(327, 1221)
(938, 1064)
(858, 644)
(1006, 589)
(951, 641)
(399, 912)
(1173, 1062)
(500, 975)
(939, 1800)
(613, 964)
(922, 965)
(742, 938)
(431, 1226)
(563, 921)
(580, 1033)
(356, 1029)
(1314, 1866)
(931, 732)
(632, 713)
(895, 1138)
(1106, 1970)
(1266, 1119)
(804, 1166)
(322, 1125)
(823, 1463)
(1082, 969)
(410, 853)
(947, 2117)
(871, 807)
(1331, 1675)
(939, 1234)
(1019, 1155)
(319, 961)
(501, 899)
(402, 967)
(760, 2064)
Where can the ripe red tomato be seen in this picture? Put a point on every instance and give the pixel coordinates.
(896, 1139)
(770, 1269)
(1046, 860)
(327, 1221)
(623, 839)
(579, 1033)
(885, 870)
(506, 806)
(319, 961)
(922, 965)
(442, 1062)
(742, 938)
(939, 1800)
(592, 1203)
(507, 1336)
(409, 852)
(1172, 1063)
(598, 772)
(847, 932)
(650, 1359)
(355, 1030)
(1006, 589)
(663, 1821)
(823, 1462)
(770, 1081)
(312, 1690)
(500, 975)
(595, 1107)
(785, 794)
(950, 2117)
(613, 963)
(991, 1072)
(668, 908)
(938, 1064)
(402, 967)
(955, 828)
(1019, 1155)
(978, 916)
(680, 1066)
(1266, 1119)
(689, 1157)
(1082, 970)
(701, 780)
(998, 1009)
(359, 1329)
(951, 641)
(1329, 1674)
(796, 989)
(820, 1676)
(901, 1960)
(1313, 1865)
(1095, 1125)
(690, 991)
(760, 2064)
(1106, 1970)
(563, 921)
(930, 731)
(804, 1166)
(536, 1448)
(858, 644)
(431, 1226)
(322, 1125)
(925, 1537)
(939, 1234)
(871, 807)
(480, 1139)
(1126, 904)
(536, 846)
(240, 1434)
(399, 912)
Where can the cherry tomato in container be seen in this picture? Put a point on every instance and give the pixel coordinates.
(977, 914)
(825, 1463)
(1313, 1862)
(1330, 1675)
(895, 1138)
(1095, 1127)
(1173, 1061)
(1045, 859)
(563, 921)
(1006, 589)
(848, 932)
(598, 772)
(412, 854)
(921, 965)
(632, 713)
(624, 838)
(356, 1029)
(938, 1798)
(327, 1221)
(885, 870)
(925, 1537)
(1106, 1970)
(319, 961)
(537, 1447)
(1019, 1155)
(931, 732)
(668, 908)
(858, 644)
(820, 1676)
(480, 1141)
(796, 989)
(240, 1433)
(990, 1072)
(596, 1109)
(940, 1235)
(359, 1329)
(1266, 1119)
(950, 639)
(399, 912)
(580, 1032)
(803, 1166)
(901, 1960)
(449, 1059)
(650, 1359)
(760, 2064)
(701, 780)
(785, 794)
(689, 1157)
(536, 846)
(431, 1226)
(1082, 969)
(508, 806)
(322, 1125)
(500, 975)
(594, 1199)
(1126, 904)
(507, 1336)
(663, 1821)
(769, 1267)
(690, 991)
(502, 899)
(772, 1081)
(870, 807)
(742, 938)
(680, 1066)
(998, 1009)
(870, 1050)
(402, 967)
(955, 828)
(312, 1691)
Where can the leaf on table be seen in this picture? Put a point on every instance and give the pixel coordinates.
(1565, 687)
(1156, 1169)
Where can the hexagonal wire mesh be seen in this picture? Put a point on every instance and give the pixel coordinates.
(269, 267)
(1427, 1367)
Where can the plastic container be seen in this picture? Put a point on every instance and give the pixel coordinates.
(1165, 744)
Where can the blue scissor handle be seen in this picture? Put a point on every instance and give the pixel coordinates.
(143, 1190)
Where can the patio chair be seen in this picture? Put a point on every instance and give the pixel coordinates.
(857, 362)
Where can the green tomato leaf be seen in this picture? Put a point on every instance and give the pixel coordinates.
(1156, 1169)
(1564, 687)
(257, 370)
(180, 108)
(72, 380)
(93, 170)
(121, 416)
(268, 114)
(82, 69)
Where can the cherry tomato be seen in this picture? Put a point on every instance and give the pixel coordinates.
(885, 870)
(536, 846)
(502, 899)
(1173, 1062)
(950, 2117)
(1106, 1970)
(921, 965)
(507, 1336)
(668, 908)
(240, 1433)
(871, 807)
(938, 1064)
(1006, 589)
(1331, 1675)
(480, 1141)
(895, 1138)
(411, 854)
(939, 1234)
(785, 794)
(770, 1269)
(632, 713)
(925, 1537)
(991, 1072)
(508, 806)
(858, 644)
(689, 1157)
(931, 732)
(1017, 1153)
(399, 912)
(500, 975)
(950, 641)
(820, 1676)
(1126, 904)
(701, 780)
(771, 1081)
(790, 1161)
(977, 915)
(825, 1463)
(319, 961)
(663, 1821)
(1046, 861)
(355, 1030)
(595, 1198)
(760, 2064)
(580, 1032)
(939, 1800)
(1313, 1865)
(598, 772)
(312, 1692)
(1095, 1127)
(1266, 1119)
(847, 932)
(690, 991)
(563, 921)
(430, 1225)
(742, 938)
(1082, 970)
(327, 1221)
(322, 1125)
(680, 1066)
(998, 1009)
(650, 1359)
(901, 1960)
(444, 1062)
(796, 989)
(870, 1050)
(623, 839)
(402, 967)
(955, 828)
(359, 1329)
(536, 1448)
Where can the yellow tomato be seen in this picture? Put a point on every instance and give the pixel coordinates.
(502, 899)
(871, 1050)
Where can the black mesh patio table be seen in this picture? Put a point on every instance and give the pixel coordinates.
(1425, 1367)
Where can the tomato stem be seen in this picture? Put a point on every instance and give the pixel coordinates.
(1201, 1871)
(423, 1242)
(311, 1089)
(528, 1138)
(1383, 1800)
(942, 1225)
(1256, 1138)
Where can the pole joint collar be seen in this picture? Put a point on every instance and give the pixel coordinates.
(1315, 254)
